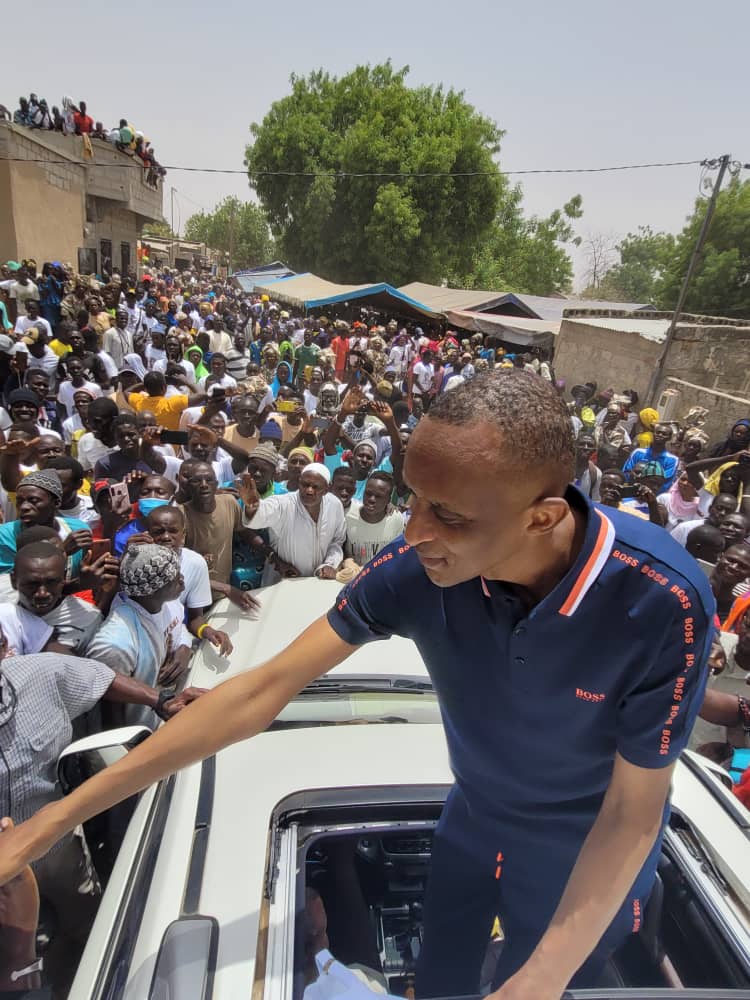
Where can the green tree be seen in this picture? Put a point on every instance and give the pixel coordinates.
(635, 277)
(521, 254)
(721, 284)
(161, 229)
(366, 228)
(238, 228)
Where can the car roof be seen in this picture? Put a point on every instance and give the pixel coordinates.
(286, 610)
(251, 779)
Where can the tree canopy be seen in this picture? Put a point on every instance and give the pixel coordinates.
(366, 228)
(238, 228)
(652, 266)
(521, 254)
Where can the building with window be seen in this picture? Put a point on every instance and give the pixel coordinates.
(57, 202)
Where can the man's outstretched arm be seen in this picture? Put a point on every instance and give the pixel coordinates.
(233, 711)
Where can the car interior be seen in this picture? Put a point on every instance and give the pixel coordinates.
(371, 883)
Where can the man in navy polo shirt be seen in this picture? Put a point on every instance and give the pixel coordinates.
(567, 646)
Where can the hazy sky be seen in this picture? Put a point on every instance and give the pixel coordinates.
(578, 84)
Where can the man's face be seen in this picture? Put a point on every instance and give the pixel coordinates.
(70, 487)
(157, 488)
(297, 463)
(733, 528)
(245, 413)
(82, 401)
(376, 498)
(122, 319)
(32, 309)
(34, 505)
(151, 309)
(308, 337)
(218, 367)
(691, 450)
(662, 436)
(739, 431)
(262, 472)
(362, 461)
(344, 487)
(126, 439)
(469, 516)
(239, 341)
(75, 368)
(610, 490)
(76, 340)
(733, 565)
(166, 527)
(199, 448)
(23, 412)
(40, 583)
(202, 484)
(743, 631)
(48, 447)
(311, 489)
(585, 448)
(720, 508)
(38, 382)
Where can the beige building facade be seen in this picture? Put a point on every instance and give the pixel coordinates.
(57, 204)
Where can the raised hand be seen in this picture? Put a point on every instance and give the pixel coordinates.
(249, 495)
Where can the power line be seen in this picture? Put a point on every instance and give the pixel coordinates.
(375, 174)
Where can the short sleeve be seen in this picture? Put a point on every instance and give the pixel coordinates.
(372, 606)
(26, 633)
(81, 682)
(655, 719)
(176, 404)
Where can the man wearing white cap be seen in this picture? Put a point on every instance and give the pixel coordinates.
(307, 528)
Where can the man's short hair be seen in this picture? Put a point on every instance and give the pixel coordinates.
(341, 471)
(531, 417)
(103, 407)
(69, 463)
(386, 477)
(37, 533)
(154, 383)
(39, 550)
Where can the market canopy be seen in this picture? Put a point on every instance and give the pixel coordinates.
(308, 291)
(512, 329)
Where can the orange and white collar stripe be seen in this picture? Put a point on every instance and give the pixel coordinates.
(593, 566)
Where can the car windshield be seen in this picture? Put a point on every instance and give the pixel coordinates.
(342, 699)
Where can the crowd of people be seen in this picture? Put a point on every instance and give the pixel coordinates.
(69, 118)
(172, 441)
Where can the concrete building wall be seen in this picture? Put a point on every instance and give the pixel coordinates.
(723, 408)
(51, 209)
(585, 353)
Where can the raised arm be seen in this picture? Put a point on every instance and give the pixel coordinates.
(233, 711)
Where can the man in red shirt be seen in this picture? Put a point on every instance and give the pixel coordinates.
(83, 122)
(340, 347)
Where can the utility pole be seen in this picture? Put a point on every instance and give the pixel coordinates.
(231, 238)
(723, 163)
(171, 227)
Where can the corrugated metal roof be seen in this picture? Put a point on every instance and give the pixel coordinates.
(442, 299)
(549, 307)
(649, 329)
(309, 291)
(514, 329)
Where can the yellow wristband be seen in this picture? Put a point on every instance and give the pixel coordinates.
(201, 629)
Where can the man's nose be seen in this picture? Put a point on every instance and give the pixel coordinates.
(420, 526)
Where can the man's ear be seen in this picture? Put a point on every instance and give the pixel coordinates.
(546, 514)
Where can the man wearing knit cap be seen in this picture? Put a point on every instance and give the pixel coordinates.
(144, 636)
(38, 500)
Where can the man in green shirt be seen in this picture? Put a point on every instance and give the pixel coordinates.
(306, 355)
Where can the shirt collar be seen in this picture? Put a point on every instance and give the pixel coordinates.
(598, 542)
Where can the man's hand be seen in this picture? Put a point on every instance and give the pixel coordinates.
(287, 571)
(249, 495)
(19, 899)
(18, 447)
(527, 985)
(327, 573)
(354, 400)
(151, 436)
(205, 434)
(645, 494)
(140, 538)
(243, 599)
(176, 704)
(103, 574)
(382, 410)
(77, 541)
(174, 666)
(219, 639)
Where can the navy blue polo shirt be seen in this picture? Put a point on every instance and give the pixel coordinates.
(536, 704)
